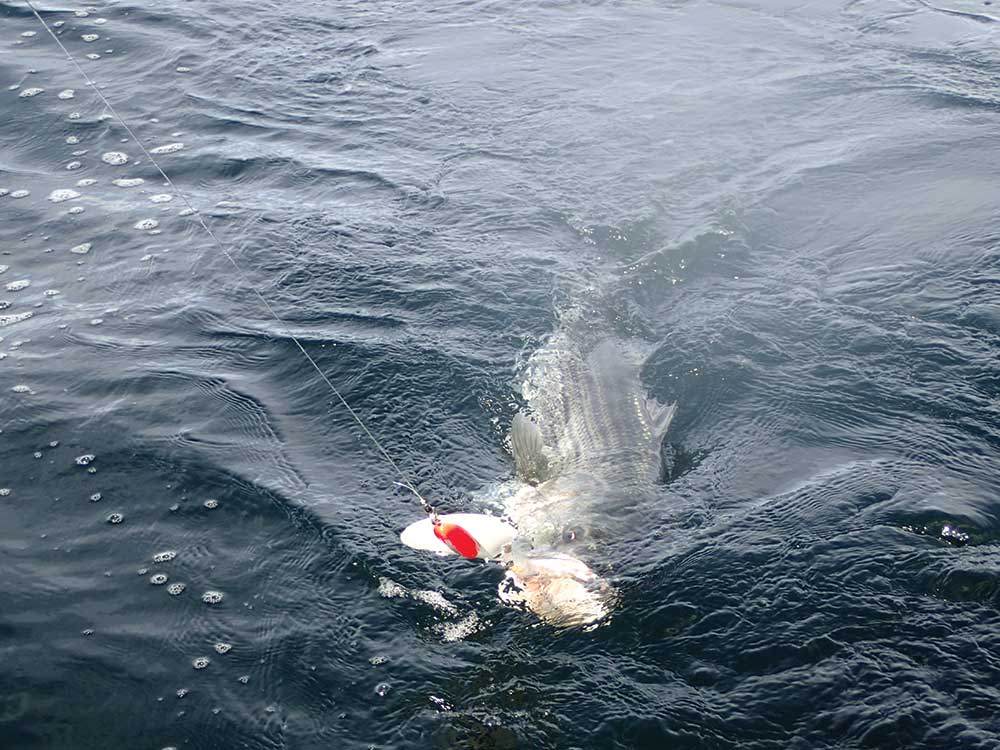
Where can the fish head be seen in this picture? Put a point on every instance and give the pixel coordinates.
(560, 589)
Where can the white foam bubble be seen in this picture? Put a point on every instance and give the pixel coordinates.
(183, 69)
(128, 182)
(212, 597)
(115, 158)
(20, 194)
(3, 192)
(17, 286)
(74, 165)
(58, 196)
(9, 320)
(86, 182)
(30, 92)
(186, 212)
(4, 491)
(66, 94)
(85, 459)
(211, 504)
(201, 662)
(4, 268)
(93, 56)
(72, 140)
(175, 589)
(52, 292)
(146, 224)
(90, 37)
(161, 198)
(115, 518)
(158, 579)
(76, 210)
(223, 648)
(28, 33)
(169, 148)
(165, 556)
(21, 388)
(81, 249)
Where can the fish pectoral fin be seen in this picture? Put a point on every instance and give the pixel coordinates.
(660, 416)
(529, 450)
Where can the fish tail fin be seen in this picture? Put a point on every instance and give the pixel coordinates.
(660, 416)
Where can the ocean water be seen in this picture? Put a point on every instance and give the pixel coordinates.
(790, 206)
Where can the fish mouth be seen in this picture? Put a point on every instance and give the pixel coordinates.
(561, 590)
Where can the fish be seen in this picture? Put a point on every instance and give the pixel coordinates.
(587, 450)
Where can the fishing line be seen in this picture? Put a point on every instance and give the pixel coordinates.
(405, 483)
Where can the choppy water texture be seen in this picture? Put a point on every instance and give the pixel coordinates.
(790, 206)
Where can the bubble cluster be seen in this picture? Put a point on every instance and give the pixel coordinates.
(166, 556)
(382, 689)
(4, 491)
(128, 182)
(86, 182)
(376, 661)
(16, 286)
(9, 320)
(158, 579)
(211, 504)
(169, 148)
(201, 662)
(21, 388)
(96, 497)
(244, 679)
(212, 597)
(115, 158)
(223, 648)
(161, 198)
(58, 196)
(30, 92)
(115, 518)
(20, 194)
(182, 692)
(147, 224)
(85, 460)
(66, 94)
(74, 165)
(90, 37)
(175, 589)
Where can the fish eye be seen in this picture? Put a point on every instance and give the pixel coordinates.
(572, 534)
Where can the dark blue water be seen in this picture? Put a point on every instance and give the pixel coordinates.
(791, 205)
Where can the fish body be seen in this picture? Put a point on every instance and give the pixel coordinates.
(586, 449)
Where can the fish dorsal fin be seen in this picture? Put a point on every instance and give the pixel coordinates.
(529, 450)
(660, 416)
